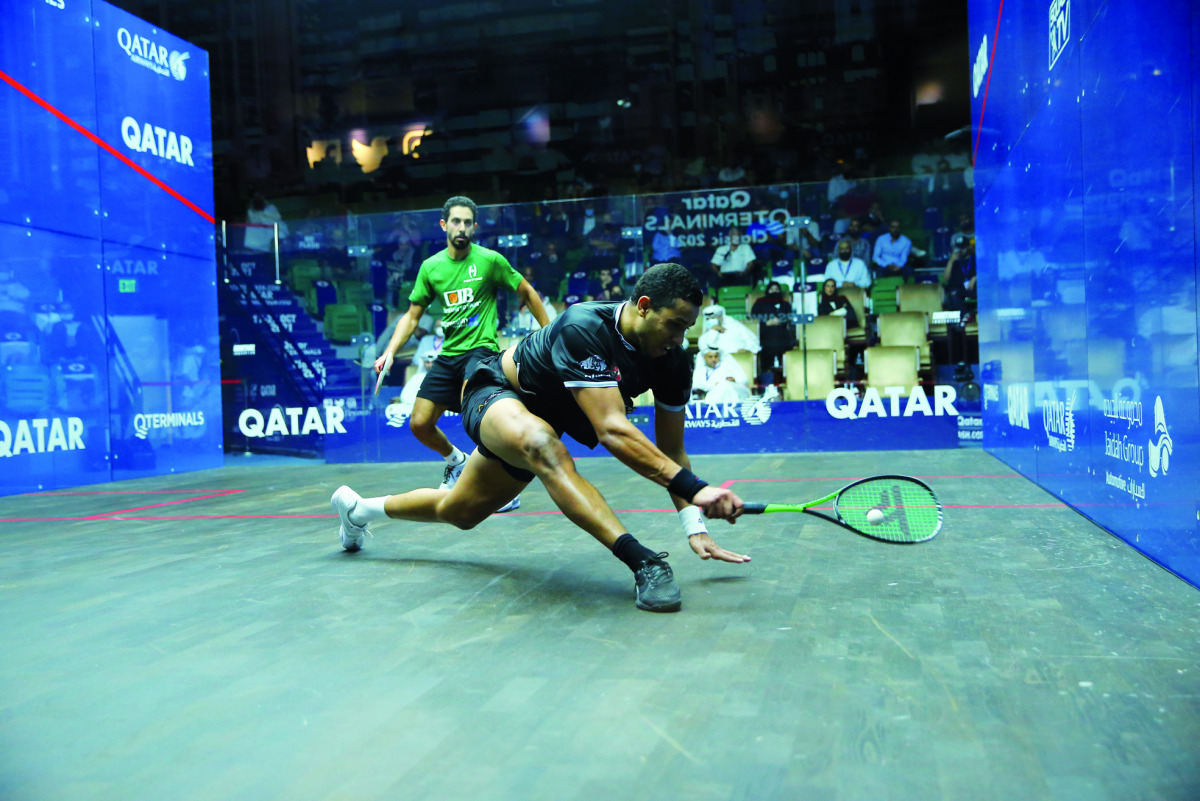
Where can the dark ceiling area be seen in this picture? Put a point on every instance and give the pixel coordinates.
(383, 104)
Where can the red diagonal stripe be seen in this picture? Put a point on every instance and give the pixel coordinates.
(128, 161)
(988, 82)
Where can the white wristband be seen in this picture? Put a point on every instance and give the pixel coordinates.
(693, 523)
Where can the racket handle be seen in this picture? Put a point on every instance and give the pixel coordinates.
(753, 508)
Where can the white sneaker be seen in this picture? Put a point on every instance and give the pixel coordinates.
(515, 503)
(451, 474)
(344, 499)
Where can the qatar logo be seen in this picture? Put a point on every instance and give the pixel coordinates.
(156, 140)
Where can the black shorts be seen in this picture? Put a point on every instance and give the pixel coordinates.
(443, 383)
(486, 385)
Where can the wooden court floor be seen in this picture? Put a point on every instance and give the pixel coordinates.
(203, 636)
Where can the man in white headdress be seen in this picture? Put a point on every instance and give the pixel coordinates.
(718, 378)
(723, 333)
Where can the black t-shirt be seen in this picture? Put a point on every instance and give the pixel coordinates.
(582, 348)
(773, 337)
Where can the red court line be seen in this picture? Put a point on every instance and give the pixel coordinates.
(988, 83)
(106, 515)
(108, 492)
(733, 481)
(105, 145)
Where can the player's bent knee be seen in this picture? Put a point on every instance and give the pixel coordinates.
(545, 452)
(461, 517)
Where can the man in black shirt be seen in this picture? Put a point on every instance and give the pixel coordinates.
(578, 376)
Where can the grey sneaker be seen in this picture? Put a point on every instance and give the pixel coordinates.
(656, 587)
(451, 473)
(512, 505)
(344, 499)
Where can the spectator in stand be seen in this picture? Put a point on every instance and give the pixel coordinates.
(804, 237)
(262, 216)
(959, 276)
(776, 333)
(872, 221)
(860, 242)
(840, 184)
(893, 254)
(734, 263)
(846, 269)
(664, 249)
(833, 303)
(726, 334)
(718, 378)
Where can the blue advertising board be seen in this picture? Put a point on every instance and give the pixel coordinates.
(156, 113)
(842, 422)
(108, 320)
(46, 57)
(1085, 191)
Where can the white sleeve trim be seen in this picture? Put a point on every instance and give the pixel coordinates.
(670, 408)
(578, 384)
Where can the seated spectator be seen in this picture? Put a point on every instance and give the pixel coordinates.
(724, 333)
(892, 254)
(524, 321)
(776, 332)
(734, 263)
(861, 246)
(664, 248)
(719, 378)
(845, 269)
(959, 276)
(614, 293)
(834, 304)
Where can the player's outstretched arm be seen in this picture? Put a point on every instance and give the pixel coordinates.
(605, 408)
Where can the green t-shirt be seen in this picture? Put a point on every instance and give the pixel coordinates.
(467, 289)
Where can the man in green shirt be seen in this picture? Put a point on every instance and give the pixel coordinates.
(466, 278)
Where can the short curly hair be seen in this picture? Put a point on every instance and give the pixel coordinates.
(460, 200)
(666, 283)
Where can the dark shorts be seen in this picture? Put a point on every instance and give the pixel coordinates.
(443, 383)
(486, 384)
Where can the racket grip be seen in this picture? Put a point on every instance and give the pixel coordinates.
(753, 508)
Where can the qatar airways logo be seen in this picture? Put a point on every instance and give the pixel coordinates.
(153, 56)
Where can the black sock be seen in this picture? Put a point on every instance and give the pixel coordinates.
(631, 552)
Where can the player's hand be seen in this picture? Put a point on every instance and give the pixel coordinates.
(384, 363)
(719, 504)
(383, 366)
(705, 548)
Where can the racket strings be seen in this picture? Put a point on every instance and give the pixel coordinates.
(906, 511)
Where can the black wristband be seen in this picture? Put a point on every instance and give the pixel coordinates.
(685, 484)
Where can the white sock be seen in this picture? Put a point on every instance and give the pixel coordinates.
(368, 510)
(456, 456)
(693, 523)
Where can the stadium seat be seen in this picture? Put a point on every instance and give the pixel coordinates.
(26, 389)
(746, 360)
(319, 295)
(883, 294)
(826, 332)
(817, 368)
(892, 367)
(355, 292)
(303, 273)
(733, 298)
(923, 298)
(906, 329)
(857, 298)
(342, 322)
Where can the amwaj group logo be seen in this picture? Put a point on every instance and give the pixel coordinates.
(1158, 457)
(153, 56)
